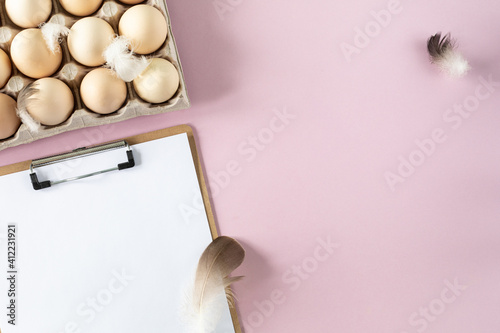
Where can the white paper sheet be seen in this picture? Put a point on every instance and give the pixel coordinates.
(111, 253)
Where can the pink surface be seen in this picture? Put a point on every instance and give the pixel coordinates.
(322, 175)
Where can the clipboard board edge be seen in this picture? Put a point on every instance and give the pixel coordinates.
(151, 136)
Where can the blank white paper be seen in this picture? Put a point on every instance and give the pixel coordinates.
(111, 253)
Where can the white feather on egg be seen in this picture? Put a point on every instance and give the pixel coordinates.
(53, 32)
(24, 98)
(120, 58)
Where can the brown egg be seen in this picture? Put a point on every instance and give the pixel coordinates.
(5, 68)
(31, 55)
(28, 13)
(102, 91)
(51, 103)
(146, 28)
(9, 122)
(81, 7)
(88, 39)
(159, 81)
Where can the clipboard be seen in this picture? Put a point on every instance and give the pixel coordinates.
(133, 141)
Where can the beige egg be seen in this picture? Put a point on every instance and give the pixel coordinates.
(5, 68)
(102, 91)
(31, 55)
(9, 121)
(28, 13)
(159, 81)
(81, 7)
(146, 28)
(51, 103)
(131, 2)
(88, 39)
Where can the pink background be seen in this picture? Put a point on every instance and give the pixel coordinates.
(322, 175)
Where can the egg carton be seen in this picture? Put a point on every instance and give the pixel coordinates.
(72, 73)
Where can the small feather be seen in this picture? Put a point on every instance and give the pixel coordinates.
(53, 34)
(443, 52)
(120, 58)
(210, 293)
(25, 98)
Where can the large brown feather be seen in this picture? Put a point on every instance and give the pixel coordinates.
(219, 260)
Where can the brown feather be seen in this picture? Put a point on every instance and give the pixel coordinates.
(219, 260)
(438, 46)
(443, 53)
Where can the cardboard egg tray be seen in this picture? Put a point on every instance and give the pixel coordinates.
(72, 73)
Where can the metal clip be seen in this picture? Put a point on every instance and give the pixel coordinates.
(79, 153)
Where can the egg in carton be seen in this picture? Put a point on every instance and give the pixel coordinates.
(110, 61)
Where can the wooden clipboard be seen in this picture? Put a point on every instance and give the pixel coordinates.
(142, 138)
